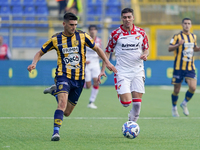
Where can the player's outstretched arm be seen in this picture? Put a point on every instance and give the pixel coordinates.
(36, 58)
(106, 62)
(105, 59)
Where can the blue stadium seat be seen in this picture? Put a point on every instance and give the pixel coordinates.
(17, 10)
(113, 10)
(114, 2)
(29, 10)
(90, 18)
(40, 2)
(4, 2)
(30, 41)
(18, 41)
(18, 30)
(30, 22)
(5, 19)
(43, 21)
(91, 10)
(6, 39)
(4, 30)
(117, 19)
(42, 10)
(99, 9)
(30, 30)
(15, 2)
(17, 21)
(28, 2)
(5, 10)
(41, 41)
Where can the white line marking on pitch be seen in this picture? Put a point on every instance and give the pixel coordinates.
(183, 89)
(99, 118)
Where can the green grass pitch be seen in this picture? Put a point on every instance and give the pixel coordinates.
(26, 121)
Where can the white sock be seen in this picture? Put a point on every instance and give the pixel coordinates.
(135, 111)
(184, 102)
(174, 107)
(93, 95)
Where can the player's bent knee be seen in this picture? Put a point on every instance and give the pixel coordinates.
(125, 104)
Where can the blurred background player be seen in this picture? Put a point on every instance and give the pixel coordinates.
(131, 49)
(74, 6)
(92, 69)
(183, 44)
(62, 4)
(5, 53)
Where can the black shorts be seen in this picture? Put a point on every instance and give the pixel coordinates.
(179, 75)
(72, 87)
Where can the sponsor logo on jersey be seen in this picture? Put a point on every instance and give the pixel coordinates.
(137, 38)
(62, 44)
(189, 45)
(72, 61)
(70, 50)
(130, 46)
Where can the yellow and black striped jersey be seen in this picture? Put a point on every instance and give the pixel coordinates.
(184, 54)
(71, 51)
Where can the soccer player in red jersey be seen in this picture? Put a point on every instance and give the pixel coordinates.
(131, 49)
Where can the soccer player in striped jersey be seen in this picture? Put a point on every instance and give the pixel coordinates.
(70, 46)
(131, 49)
(183, 44)
(92, 69)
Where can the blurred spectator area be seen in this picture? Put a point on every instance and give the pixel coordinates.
(27, 24)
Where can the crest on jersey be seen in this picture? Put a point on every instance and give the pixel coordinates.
(76, 42)
(119, 86)
(60, 87)
(137, 37)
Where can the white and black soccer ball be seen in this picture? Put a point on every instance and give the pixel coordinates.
(130, 129)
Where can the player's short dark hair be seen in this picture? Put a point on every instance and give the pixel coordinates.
(127, 10)
(69, 16)
(92, 26)
(186, 19)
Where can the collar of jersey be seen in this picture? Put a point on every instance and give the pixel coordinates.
(126, 30)
(67, 35)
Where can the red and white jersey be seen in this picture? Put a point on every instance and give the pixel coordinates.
(4, 52)
(128, 46)
(91, 55)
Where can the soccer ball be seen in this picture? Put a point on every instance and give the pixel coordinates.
(130, 129)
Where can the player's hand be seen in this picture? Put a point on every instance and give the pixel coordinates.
(87, 62)
(181, 42)
(143, 57)
(31, 67)
(100, 75)
(111, 67)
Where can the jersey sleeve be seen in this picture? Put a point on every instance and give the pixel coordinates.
(195, 40)
(48, 46)
(145, 45)
(111, 43)
(174, 40)
(89, 41)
